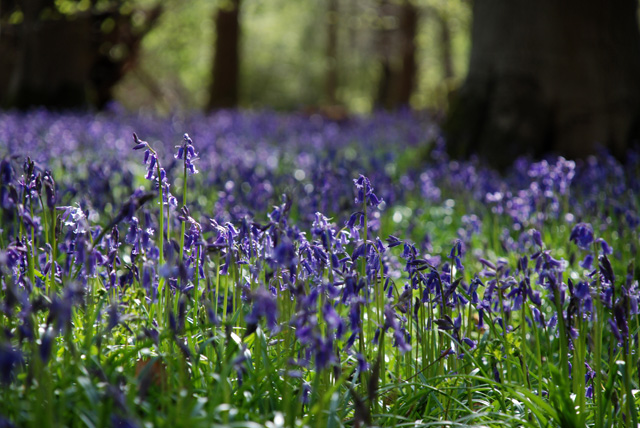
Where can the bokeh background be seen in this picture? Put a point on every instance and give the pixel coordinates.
(504, 78)
(291, 54)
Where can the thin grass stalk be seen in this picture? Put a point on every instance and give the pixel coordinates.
(597, 357)
(184, 204)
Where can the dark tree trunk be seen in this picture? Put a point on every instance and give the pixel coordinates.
(384, 45)
(65, 61)
(52, 62)
(408, 32)
(331, 83)
(385, 85)
(226, 60)
(397, 51)
(549, 75)
(446, 54)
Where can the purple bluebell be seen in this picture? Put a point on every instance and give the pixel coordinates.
(606, 248)
(606, 270)
(264, 306)
(587, 263)
(50, 189)
(187, 153)
(46, 345)
(615, 330)
(470, 343)
(10, 358)
(537, 237)
(365, 193)
(114, 316)
(582, 235)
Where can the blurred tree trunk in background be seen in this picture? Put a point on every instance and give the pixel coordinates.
(383, 98)
(331, 83)
(66, 60)
(445, 44)
(397, 51)
(446, 55)
(226, 59)
(549, 75)
(408, 32)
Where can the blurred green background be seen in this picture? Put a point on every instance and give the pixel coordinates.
(525, 78)
(283, 50)
(283, 54)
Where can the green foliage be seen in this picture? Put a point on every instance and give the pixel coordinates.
(283, 54)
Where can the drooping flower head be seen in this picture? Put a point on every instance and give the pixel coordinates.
(365, 192)
(188, 154)
(582, 235)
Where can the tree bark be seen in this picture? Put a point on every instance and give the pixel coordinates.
(549, 75)
(226, 60)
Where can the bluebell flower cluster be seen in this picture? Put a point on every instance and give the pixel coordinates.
(538, 253)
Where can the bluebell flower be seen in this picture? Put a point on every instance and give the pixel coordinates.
(393, 241)
(538, 317)
(355, 220)
(351, 340)
(188, 154)
(324, 355)
(173, 326)
(46, 344)
(306, 392)
(50, 189)
(354, 314)
(606, 270)
(589, 392)
(139, 144)
(365, 193)
(582, 235)
(363, 365)
(264, 306)
(470, 343)
(615, 330)
(632, 219)
(486, 263)
(333, 320)
(114, 316)
(587, 263)
(401, 338)
(606, 248)
(553, 322)
(10, 358)
(537, 237)
(496, 373)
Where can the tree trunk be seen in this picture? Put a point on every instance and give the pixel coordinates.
(226, 60)
(331, 83)
(384, 46)
(408, 32)
(446, 53)
(549, 75)
(52, 61)
(66, 61)
(397, 51)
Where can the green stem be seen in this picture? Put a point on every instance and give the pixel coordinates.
(597, 349)
(184, 204)
(631, 405)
